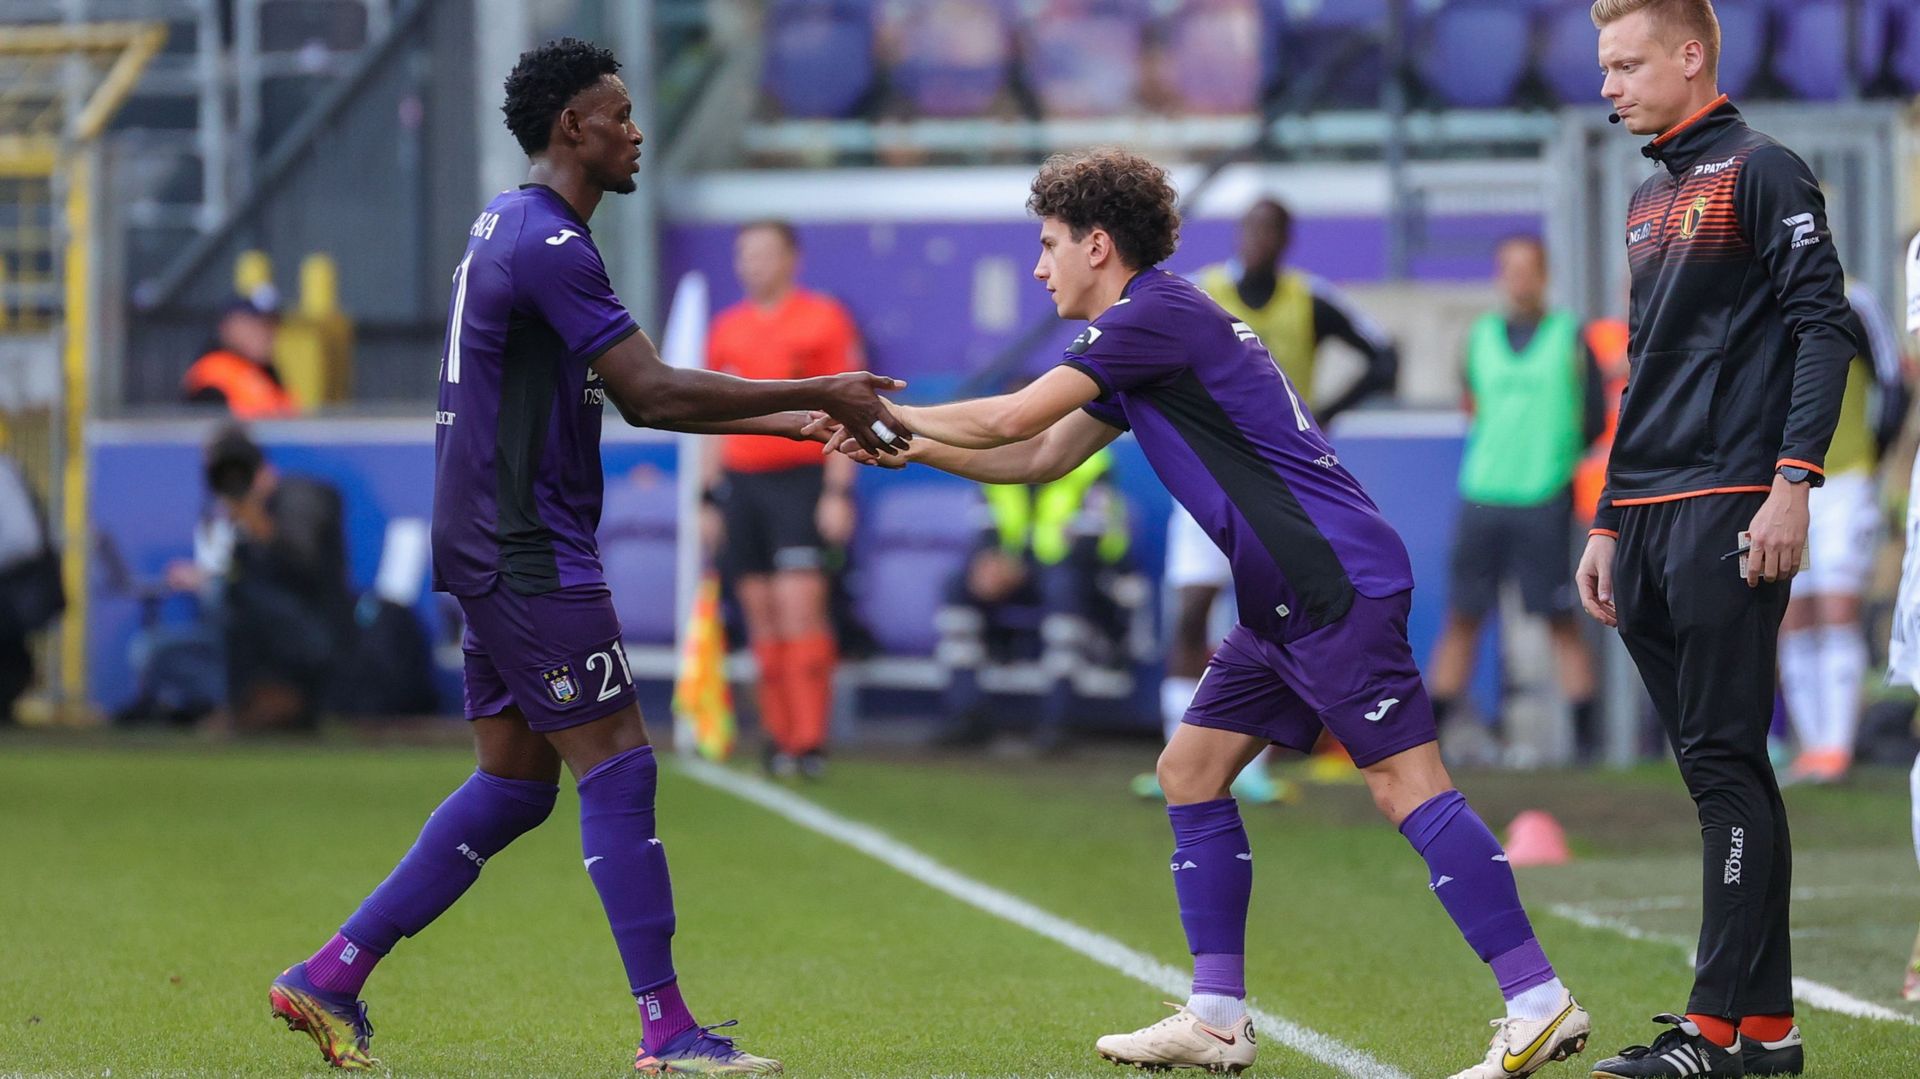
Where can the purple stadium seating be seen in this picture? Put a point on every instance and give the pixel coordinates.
(637, 545)
(1810, 51)
(1475, 52)
(1082, 57)
(1903, 59)
(1341, 43)
(953, 54)
(819, 60)
(1214, 55)
(914, 539)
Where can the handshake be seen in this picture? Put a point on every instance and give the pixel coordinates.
(865, 427)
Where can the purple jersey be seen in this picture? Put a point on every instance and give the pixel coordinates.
(1231, 439)
(517, 478)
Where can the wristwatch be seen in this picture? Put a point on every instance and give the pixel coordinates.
(1796, 474)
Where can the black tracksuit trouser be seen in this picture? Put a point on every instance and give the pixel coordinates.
(1706, 646)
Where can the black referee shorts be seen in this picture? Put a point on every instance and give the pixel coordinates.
(770, 520)
(1532, 545)
(1705, 645)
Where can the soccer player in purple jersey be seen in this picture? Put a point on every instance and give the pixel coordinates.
(536, 343)
(1322, 580)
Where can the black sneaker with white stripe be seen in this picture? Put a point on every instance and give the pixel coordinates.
(1784, 1057)
(1682, 1051)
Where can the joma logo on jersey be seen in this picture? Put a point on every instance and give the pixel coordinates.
(483, 225)
(561, 685)
(1690, 223)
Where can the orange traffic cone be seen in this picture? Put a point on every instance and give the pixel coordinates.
(1535, 838)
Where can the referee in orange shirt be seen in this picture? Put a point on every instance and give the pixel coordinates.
(781, 504)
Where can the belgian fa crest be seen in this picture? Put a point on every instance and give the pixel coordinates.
(561, 686)
(1690, 224)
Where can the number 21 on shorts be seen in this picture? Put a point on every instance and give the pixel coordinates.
(613, 679)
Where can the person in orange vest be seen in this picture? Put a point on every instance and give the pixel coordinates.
(237, 372)
(1607, 341)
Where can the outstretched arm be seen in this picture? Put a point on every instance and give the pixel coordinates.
(779, 424)
(986, 422)
(1042, 459)
(649, 393)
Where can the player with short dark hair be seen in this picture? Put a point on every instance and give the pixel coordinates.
(1741, 338)
(1323, 584)
(536, 344)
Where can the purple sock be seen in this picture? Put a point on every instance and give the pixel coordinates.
(341, 966)
(629, 867)
(1472, 879)
(663, 1016)
(476, 822)
(1213, 877)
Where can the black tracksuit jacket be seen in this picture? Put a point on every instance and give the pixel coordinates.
(1740, 329)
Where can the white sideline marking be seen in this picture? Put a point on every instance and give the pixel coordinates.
(1098, 947)
(1806, 990)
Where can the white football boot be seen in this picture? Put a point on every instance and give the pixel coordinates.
(1524, 1046)
(1181, 1040)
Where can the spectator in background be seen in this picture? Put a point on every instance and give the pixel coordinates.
(1607, 342)
(1903, 640)
(30, 591)
(286, 609)
(238, 372)
(1048, 577)
(1293, 314)
(1823, 645)
(1534, 391)
(784, 509)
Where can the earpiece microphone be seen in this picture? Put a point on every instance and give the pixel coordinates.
(1613, 118)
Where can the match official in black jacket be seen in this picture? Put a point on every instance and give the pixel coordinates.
(1741, 339)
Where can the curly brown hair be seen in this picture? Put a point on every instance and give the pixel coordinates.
(1115, 190)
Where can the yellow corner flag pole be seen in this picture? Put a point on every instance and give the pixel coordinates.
(702, 700)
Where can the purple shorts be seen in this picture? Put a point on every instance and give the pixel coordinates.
(1355, 678)
(555, 656)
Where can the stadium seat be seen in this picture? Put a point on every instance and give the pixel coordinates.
(1903, 59)
(638, 541)
(1810, 51)
(914, 539)
(1338, 45)
(1743, 43)
(819, 58)
(1082, 57)
(1474, 53)
(953, 56)
(1215, 62)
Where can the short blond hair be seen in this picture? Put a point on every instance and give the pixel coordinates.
(1693, 18)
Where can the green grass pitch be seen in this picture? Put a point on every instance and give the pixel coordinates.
(148, 893)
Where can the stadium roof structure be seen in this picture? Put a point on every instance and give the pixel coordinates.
(61, 83)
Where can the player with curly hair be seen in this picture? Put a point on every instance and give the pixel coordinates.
(536, 345)
(1322, 581)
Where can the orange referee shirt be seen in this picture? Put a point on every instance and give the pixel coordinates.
(803, 336)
